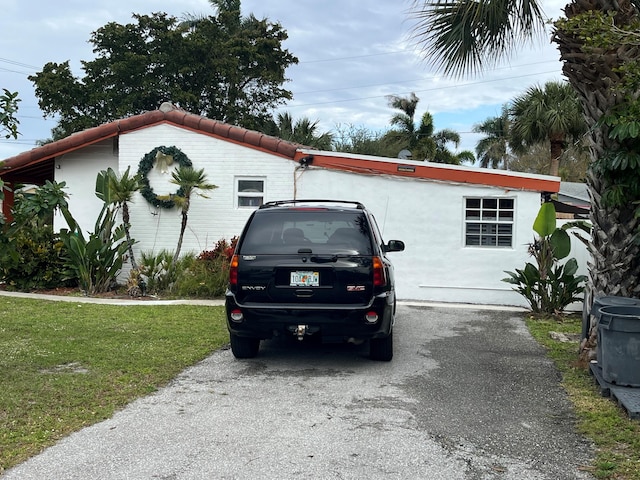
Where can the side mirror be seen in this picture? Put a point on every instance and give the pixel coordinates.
(394, 246)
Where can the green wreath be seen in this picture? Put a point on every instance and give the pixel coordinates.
(145, 166)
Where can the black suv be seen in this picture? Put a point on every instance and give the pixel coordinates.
(312, 267)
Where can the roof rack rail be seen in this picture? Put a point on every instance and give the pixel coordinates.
(278, 203)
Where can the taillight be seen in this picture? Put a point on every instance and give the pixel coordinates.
(379, 275)
(233, 271)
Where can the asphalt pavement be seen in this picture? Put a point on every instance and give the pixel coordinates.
(469, 395)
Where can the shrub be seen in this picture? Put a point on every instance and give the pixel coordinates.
(202, 276)
(31, 255)
(157, 272)
(36, 262)
(548, 286)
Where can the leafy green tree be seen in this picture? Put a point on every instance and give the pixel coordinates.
(226, 67)
(493, 150)
(302, 131)
(8, 109)
(190, 181)
(551, 113)
(360, 140)
(598, 46)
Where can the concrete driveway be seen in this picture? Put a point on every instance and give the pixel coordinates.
(469, 395)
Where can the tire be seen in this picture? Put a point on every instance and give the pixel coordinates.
(381, 349)
(244, 347)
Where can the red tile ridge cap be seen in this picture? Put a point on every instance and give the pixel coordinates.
(172, 116)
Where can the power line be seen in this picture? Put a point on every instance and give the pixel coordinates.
(407, 81)
(18, 64)
(423, 90)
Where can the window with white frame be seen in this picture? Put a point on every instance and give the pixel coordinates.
(489, 222)
(249, 192)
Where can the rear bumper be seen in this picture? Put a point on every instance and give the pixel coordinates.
(335, 322)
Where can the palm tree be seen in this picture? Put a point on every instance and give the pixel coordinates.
(122, 189)
(404, 119)
(551, 113)
(464, 37)
(443, 155)
(302, 131)
(190, 181)
(423, 142)
(493, 150)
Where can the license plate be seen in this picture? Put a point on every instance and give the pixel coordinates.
(305, 279)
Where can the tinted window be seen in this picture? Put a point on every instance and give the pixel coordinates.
(322, 231)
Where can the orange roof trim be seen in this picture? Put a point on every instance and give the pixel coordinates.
(432, 171)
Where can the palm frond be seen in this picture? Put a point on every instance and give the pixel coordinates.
(465, 36)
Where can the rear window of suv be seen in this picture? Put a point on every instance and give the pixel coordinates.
(322, 231)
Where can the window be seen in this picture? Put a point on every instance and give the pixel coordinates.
(489, 222)
(250, 192)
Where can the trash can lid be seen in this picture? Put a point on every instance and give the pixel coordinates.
(606, 301)
(620, 318)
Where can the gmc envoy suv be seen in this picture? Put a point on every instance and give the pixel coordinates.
(312, 267)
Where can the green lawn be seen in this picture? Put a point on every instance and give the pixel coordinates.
(64, 365)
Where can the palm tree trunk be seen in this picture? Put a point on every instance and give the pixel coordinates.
(125, 221)
(615, 256)
(557, 147)
(183, 227)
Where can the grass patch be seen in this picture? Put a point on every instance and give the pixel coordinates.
(64, 366)
(615, 435)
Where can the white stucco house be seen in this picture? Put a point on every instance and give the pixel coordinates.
(462, 226)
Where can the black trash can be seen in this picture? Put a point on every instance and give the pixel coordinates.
(598, 303)
(619, 344)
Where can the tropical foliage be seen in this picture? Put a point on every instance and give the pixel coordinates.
(201, 276)
(302, 131)
(118, 190)
(547, 114)
(540, 131)
(31, 254)
(548, 285)
(493, 149)
(190, 182)
(421, 140)
(97, 259)
(160, 58)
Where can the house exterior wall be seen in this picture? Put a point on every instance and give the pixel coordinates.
(429, 218)
(210, 219)
(79, 170)
(427, 215)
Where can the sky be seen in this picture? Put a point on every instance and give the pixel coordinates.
(352, 55)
